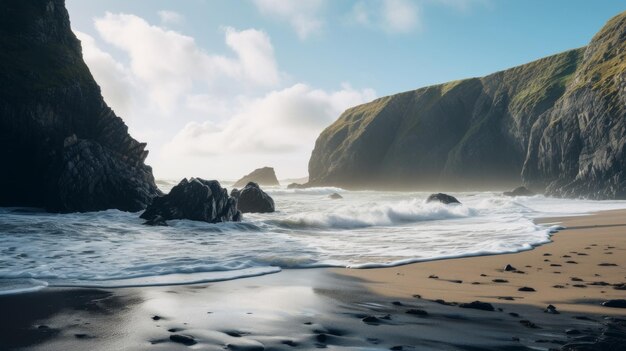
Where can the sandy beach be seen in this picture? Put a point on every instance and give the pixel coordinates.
(343, 309)
(583, 266)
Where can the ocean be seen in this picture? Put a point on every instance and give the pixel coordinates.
(364, 229)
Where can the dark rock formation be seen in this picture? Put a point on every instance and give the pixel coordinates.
(261, 176)
(557, 125)
(62, 147)
(335, 196)
(519, 191)
(252, 199)
(195, 199)
(187, 340)
(443, 198)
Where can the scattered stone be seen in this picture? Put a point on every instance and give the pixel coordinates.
(571, 262)
(547, 254)
(397, 303)
(579, 285)
(618, 303)
(509, 268)
(513, 314)
(507, 298)
(478, 305)
(526, 288)
(500, 280)
(551, 309)
(432, 276)
(483, 275)
(558, 286)
(529, 324)
(607, 265)
(157, 318)
(335, 196)
(574, 279)
(443, 198)
(599, 283)
(620, 286)
(555, 265)
(187, 340)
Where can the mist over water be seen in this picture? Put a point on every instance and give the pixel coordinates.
(364, 229)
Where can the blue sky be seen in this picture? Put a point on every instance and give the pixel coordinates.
(218, 88)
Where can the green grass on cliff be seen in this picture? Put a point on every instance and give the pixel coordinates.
(606, 60)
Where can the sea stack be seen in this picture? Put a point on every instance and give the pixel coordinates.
(262, 176)
(62, 147)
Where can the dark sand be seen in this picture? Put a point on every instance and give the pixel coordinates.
(342, 309)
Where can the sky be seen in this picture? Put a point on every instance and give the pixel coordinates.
(220, 88)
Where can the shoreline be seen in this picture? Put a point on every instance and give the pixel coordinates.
(569, 256)
(397, 308)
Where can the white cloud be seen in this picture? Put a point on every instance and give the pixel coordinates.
(208, 114)
(400, 16)
(392, 16)
(169, 64)
(282, 121)
(463, 5)
(302, 15)
(171, 17)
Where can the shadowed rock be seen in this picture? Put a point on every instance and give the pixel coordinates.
(443, 198)
(195, 199)
(335, 196)
(261, 176)
(252, 199)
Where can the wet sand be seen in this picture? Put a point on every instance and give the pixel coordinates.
(341, 309)
(583, 266)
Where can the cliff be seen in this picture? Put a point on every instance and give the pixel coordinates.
(62, 147)
(557, 124)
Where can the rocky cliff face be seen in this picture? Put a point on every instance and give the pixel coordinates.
(557, 124)
(62, 147)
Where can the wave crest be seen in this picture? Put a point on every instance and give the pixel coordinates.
(373, 214)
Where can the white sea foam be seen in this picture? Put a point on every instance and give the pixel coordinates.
(364, 229)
